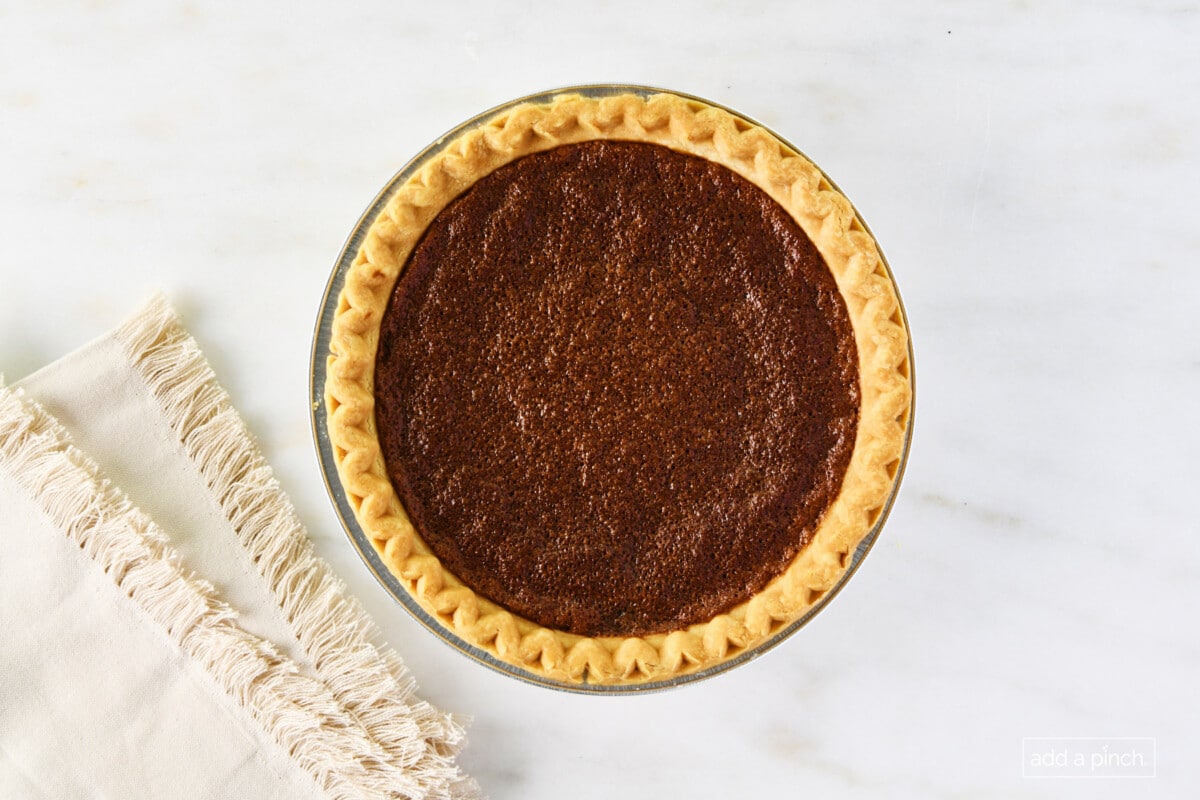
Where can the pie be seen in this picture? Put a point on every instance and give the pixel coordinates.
(617, 385)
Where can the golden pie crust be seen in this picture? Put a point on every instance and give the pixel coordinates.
(825, 215)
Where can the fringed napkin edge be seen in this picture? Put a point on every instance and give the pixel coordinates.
(298, 712)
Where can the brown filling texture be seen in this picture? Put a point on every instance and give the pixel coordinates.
(616, 388)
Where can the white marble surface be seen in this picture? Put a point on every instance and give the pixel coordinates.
(1031, 171)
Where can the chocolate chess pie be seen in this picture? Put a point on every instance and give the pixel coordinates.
(617, 385)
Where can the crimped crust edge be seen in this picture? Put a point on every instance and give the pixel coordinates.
(850, 252)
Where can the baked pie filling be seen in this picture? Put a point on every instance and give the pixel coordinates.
(617, 386)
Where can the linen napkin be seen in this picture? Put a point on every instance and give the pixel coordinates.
(167, 630)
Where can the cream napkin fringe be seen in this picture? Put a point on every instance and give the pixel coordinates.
(358, 728)
(298, 712)
(367, 679)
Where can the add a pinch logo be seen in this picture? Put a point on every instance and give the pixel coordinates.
(1088, 757)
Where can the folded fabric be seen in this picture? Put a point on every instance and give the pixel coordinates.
(167, 630)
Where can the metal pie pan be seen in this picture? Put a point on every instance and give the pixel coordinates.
(345, 512)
